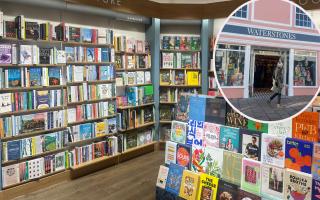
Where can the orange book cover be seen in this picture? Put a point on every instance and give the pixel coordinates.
(305, 126)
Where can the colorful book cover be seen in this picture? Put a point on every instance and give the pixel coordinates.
(305, 126)
(272, 182)
(232, 165)
(70, 54)
(5, 103)
(5, 54)
(35, 168)
(85, 131)
(86, 34)
(60, 159)
(193, 78)
(162, 177)
(195, 133)
(273, 149)
(14, 77)
(208, 187)
(229, 139)
(298, 155)
(50, 142)
(104, 73)
(283, 128)
(257, 126)
(198, 159)
(215, 111)
(315, 189)
(244, 195)
(170, 152)
(26, 54)
(183, 155)
(165, 78)
(182, 111)
(178, 132)
(251, 144)
(174, 178)
(112, 125)
(54, 75)
(211, 134)
(189, 185)
(14, 150)
(35, 74)
(227, 191)
(26, 147)
(297, 185)
(213, 161)
(131, 141)
(234, 119)
(251, 176)
(197, 106)
(316, 161)
(10, 175)
(43, 99)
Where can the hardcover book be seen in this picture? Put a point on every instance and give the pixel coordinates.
(14, 149)
(32, 30)
(213, 161)
(183, 156)
(297, 185)
(198, 159)
(35, 76)
(229, 139)
(193, 78)
(5, 103)
(174, 178)
(227, 191)
(43, 99)
(26, 54)
(10, 29)
(211, 134)
(316, 161)
(257, 126)
(305, 126)
(54, 76)
(131, 141)
(5, 54)
(165, 78)
(74, 34)
(182, 109)
(189, 185)
(170, 152)
(14, 77)
(273, 149)
(283, 128)
(85, 131)
(298, 155)
(162, 176)
(232, 165)
(112, 125)
(35, 168)
(178, 132)
(49, 142)
(26, 147)
(44, 55)
(86, 34)
(215, 110)
(234, 119)
(195, 133)
(251, 176)
(208, 187)
(251, 144)
(272, 181)
(10, 175)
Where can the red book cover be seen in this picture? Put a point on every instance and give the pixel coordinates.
(96, 54)
(305, 126)
(94, 36)
(17, 101)
(79, 113)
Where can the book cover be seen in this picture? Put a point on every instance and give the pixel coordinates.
(74, 34)
(198, 159)
(251, 176)
(86, 34)
(33, 122)
(26, 147)
(14, 77)
(227, 191)
(305, 126)
(193, 78)
(195, 133)
(5, 103)
(208, 187)
(234, 119)
(162, 177)
(70, 54)
(131, 141)
(112, 125)
(5, 54)
(174, 178)
(14, 149)
(90, 55)
(297, 185)
(35, 76)
(179, 78)
(35, 168)
(257, 126)
(229, 139)
(54, 75)
(283, 128)
(178, 132)
(298, 155)
(189, 185)
(251, 144)
(316, 161)
(232, 165)
(49, 142)
(85, 131)
(60, 161)
(182, 108)
(32, 30)
(211, 134)
(315, 189)
(183, 156)
(186, 60)
(272, 182)
(170, 152)
(104, 73)
(43, 99)
(10, 29)
(213, 161)
(215, 111)
(10, 175)
(26, 54)
(44, 55)
(244, 195)
(165, 78)
(273, 149)
(197, 105)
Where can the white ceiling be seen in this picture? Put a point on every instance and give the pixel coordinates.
(188, 1)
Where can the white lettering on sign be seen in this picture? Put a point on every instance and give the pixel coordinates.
(111, 2)
(271, 34)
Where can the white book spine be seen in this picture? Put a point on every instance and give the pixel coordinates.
(112, 55)
(1, 24)
(14, 54)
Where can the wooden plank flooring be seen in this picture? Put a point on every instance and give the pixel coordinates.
(133, 179)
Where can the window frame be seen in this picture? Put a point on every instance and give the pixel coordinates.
(241, 10)
(303, 14)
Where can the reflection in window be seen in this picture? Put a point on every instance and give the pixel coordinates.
(305, 68)
(302, 19)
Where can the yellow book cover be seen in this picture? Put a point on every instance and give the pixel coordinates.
(189, 185)
(208, 187)
(100, 129)
(193, 78)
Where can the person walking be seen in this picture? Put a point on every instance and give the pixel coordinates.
(277, 82)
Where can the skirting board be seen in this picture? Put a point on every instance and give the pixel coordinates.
(135, 152)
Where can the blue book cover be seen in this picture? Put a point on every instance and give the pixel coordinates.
(195, 133)
(315, 189)
(230, 139)
(14, 149)
(132, 96)
(14, 77)
(90, 54)
(298, 155)
(85, 131)
(43, 99)
(86, 34)
(105, 55)
(174, 178)
(104, 73)
(197, 108)
(112, 125)
(35, 74)
(111, 71)
(70, 54)
(183, 155)
(54, 75)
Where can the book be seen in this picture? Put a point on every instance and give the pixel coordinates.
(227, 191)
(54, 76)
(183, 156)
(49, 142)
(232, 166)
(198, 159)
(5, 103)
(305, 126)
(215, 110)
(26, 147)
(162, 177)
(193, 78)
(244, 195)
(32, 30)
(315, 189)
(230, 139)
(182, 107)
(14, 78)
(43, 99)
(35, 76)
(272, 182)
(251, 144)
(211, 134)
(283, 128)
(174, 178)
(213, 161)
(170, 152)
(85, 131)
(10, 175)
(165, 78)
(35, 168)
(234, 119)
(178, 132)
(189, 185)
(251, 176)
(297, 185)
(13, 150)
(298, 155)
(208, 187)
(5, 54)
(197, 105)
(273, 149)
(257, 126)
(316, 161)
(195, 133)
(26, 54)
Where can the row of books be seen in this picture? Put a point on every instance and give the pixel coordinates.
(91, 130)
(85, 92)
(124, 44)
(125, 61)
(16, 125)
(180, 60)
(23, 148)
(181, 43)
(133, 78)
(177, 77)
(77, 73)
(22, 101)
(173, 94)
(138, 139)
(91, 111)
(133, 118)
(33, 169)
(134, 96)
(89, 54)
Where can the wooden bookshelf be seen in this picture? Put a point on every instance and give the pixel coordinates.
(31, 65)
(137, 151)
(91, 82)
(89, 63)
(90, 120)
(137, 127)
(165, 122)
(182, 69)
(92, 162)
(90, 140)
(168, 103)
(21, 89)
(180, 50)
(135, 85)
(32, 111)
(132, 53)
(138, 106)
(90, 101)
(133, 70)
(181, 86)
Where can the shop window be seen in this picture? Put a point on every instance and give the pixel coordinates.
(305, 63)
(302, 19)
(242, 12)
(230, 65)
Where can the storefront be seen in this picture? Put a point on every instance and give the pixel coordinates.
(252, 43)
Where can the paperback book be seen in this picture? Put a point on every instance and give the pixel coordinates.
(195, 133)
(170, 152)
(229, 139)
(208, 187)
(251, 176)
(316, 161)
(227, 191)
(198, 159)
(174, 178)
(189, 185)
(234, 119)
(305, 126)
(272, 182)
(162, 176)
(232, 165)
(213, 161)
(251, 144)
(297, 185)
(183, 156)
(315, 189)
(211, 135)
(244, 195)
(178, 132)
(283, 128)
(273, 149)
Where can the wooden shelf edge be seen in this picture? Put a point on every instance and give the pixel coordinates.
(17, 89)
(90, 120)
(138, 127)
(165, 122)
(81, 142)
(139, 106)
(92, 162)
(32, 111)
(90, 101)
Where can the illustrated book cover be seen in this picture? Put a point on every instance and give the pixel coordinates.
(230, 139)
(272, 182)
(174, 178)
(179, 132)
(251, 176)
(273, 149)
(305, 126)
(183, 156)
(297, 185)
(162, 176)
(208, 187)
(189, 185)
(227, 191)
(211, 135)
(213, 161)
(170, 152)
(232, 166)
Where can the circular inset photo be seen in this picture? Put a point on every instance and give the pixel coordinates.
(266, 59)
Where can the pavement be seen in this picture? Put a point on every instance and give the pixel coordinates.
(258, 107)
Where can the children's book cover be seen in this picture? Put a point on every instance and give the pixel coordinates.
(85, 131)
(183, 156)
(273, 149)
(235, 119)
(229, 139)
(182, 113)
(198, 159)
(211, 135)
(35, 74)
(178, 132)
(297, 185)
(244, 195)
(195, 133)
(251, 144)
(251, 176)
(227, 191)
(208, 187)
(316, 161)
(298, 155)
(189, 185)
(283, 128)
(213, 161)
(54, 75)
(232, 165)
(162, 176)
(272, 181)
(305, 126)
(43, 99)
(315, 189)
(174, 178)
(170, 152)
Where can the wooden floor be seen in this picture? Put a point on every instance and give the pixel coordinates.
(134, 179)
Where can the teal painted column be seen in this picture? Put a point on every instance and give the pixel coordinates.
(153, 37)
(206, 33)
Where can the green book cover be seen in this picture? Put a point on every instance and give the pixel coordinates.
(50, 143)
(148, 90)
(251, 176)
(232, 164)
(257, 126)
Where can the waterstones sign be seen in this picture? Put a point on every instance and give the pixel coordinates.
(111, 2)
(266, 33)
